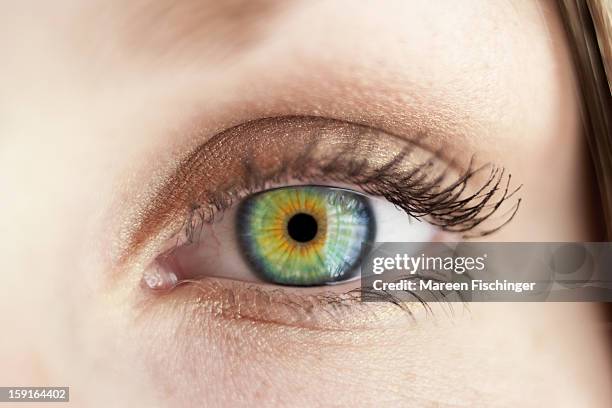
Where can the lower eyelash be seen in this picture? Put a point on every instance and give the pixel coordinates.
(331, 311)
(241, 301)
(409, 297)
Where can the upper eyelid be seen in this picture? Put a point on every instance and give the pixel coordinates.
(155, 215)
(268, 139)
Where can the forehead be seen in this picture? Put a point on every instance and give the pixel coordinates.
(173, 28)
(467, 68)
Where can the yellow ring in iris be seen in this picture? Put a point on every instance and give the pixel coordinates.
(277, 233)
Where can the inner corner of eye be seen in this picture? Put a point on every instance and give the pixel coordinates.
(161, 275)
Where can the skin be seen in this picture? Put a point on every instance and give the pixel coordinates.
(102, 99)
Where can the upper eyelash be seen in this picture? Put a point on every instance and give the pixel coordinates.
(415, 192)
(445, 206)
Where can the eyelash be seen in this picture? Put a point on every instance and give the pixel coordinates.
(304, 311)
(416, 193)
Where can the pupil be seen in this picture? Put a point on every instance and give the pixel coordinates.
(302, 227)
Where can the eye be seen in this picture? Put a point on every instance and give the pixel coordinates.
(249, 214)
(302, 235)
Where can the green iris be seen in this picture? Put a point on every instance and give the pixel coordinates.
(305, 235)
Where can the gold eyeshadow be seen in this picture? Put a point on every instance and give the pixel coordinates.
(228, 161)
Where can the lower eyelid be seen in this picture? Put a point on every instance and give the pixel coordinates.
(245, 302)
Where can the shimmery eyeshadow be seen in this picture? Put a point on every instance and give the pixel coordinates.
(257, 155)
